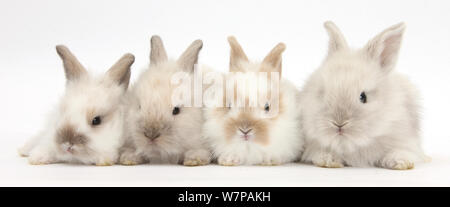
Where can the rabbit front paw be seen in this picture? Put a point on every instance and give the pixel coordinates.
(129, 158)
(398, 160)
(196, 157)
(397, 164)
(23, 152)
(270, 161)
(40, 159)
(327, 160)
(104, 161)
(229, 160)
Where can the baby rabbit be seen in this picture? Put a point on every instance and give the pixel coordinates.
(357, 111)
(160, 131)
(87, 125)
(267, 133)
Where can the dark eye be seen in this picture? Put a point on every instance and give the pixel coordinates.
(363, 97)
(267, 107)
(176, 110)
(96, 121)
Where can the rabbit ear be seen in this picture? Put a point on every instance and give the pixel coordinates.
(337, 40)
(120, 72)
(237, 54)
(72, 67)
(384, 47)
(157, 53)
(189, 57)
(274, 57)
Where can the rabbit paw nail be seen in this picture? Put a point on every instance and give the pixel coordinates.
(229, 161)
(128, 162)
(195, 162)
(399, 164)
(327, 161)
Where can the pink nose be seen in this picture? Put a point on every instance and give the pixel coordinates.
(69, 149)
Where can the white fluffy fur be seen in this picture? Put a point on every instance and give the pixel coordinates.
(150, 106)
(283, 131)
(382, 132)
(100, 96)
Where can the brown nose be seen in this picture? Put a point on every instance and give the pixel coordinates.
(152, 133)
(339, 125)
(245, 131)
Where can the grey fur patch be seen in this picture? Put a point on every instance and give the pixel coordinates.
(68, 134)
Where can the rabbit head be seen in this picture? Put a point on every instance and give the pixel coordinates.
(253, 128)
(350, 98)
(159, 125)
(247, 122)
(90, 116)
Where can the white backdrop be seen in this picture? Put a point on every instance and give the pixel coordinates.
(99, 32)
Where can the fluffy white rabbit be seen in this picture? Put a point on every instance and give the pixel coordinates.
(87, 125)
(357, 111)
(246, 135)
(160, 131)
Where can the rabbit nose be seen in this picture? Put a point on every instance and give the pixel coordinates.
(68, 134)
(152, 134)
(245, 131)
(70, 148)
(340, 125)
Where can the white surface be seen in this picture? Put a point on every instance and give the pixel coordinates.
(19, 173)
(99, 32)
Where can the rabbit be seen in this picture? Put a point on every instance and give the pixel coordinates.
(86, 127)
(158, 130)
(248, 135)
(357, 111)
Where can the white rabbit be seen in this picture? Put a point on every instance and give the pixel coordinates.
(160, 131)
(357, 111)
(246, 135)
(87, 125)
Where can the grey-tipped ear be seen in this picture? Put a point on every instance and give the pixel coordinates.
(337, 41)
(120, 72)
(274, 57)
(72, 67)
(237, 54)
(158, 52)
(189, 57)
(384, 47)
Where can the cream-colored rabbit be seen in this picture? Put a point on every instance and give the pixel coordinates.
(357, 110)
(157, 130)
(264, 134)
(87, 125)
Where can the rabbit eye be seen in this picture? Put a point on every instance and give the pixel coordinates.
(176, 110)
(96, 121)
(267, 107)
(363, 97)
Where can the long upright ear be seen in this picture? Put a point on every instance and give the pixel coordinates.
(384, 47)
(72, 67)
(337, 40)
(120, 72)
(237, 54)
(274, 57)
(157, 53)
(189, 57)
